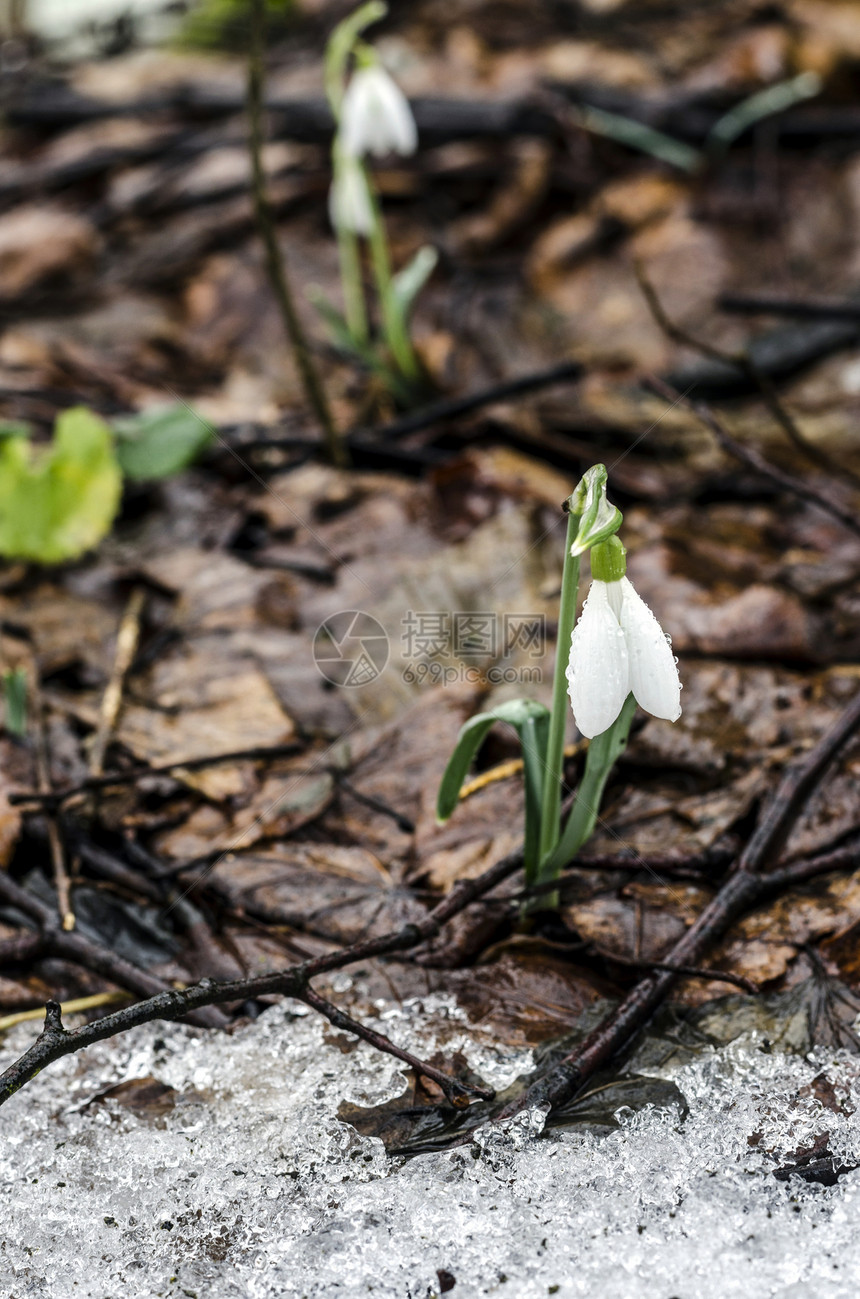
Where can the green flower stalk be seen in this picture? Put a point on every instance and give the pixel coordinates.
(372, 117)
(615, 657)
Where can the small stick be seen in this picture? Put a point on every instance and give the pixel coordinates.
(375, 804)
(793, 792)
(116, 778)
(43, 777)
(798, 872)
(126, 648)
(23, 947)
(742, 361)
(275, 261)
(742, 889)
(513, 767)
(456, 1092)
(439, 412)
(687, 971)
(454, 407)
(775, 304)
(73, 1007)
(87, 953)
(54, 1042)
(753, 459)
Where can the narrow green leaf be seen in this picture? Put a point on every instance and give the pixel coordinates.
(519, 713)
(765, 103)
(410, 280)
(534, 734)
(15, 701)
(636, 135)
(470, 739)
(161, 442)
(364, 352)
(340, 332)
(603, 752)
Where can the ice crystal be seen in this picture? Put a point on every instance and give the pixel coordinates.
(239, 1181)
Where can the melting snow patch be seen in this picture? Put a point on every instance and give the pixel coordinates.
(229, 1176)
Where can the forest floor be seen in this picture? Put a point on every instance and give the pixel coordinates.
(264, 812)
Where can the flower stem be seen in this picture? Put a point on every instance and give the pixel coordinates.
(355, 313)
(275, 262)
(551, 803)
(603, 752)
(353, 291)
(393, 324)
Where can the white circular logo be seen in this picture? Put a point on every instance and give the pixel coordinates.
(351, 648)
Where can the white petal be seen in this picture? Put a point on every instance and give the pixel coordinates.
(349, 203)
(653, 671)
(402, 132)
(375, 115)
(598, 673)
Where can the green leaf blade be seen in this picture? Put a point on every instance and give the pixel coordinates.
(530, 720)
(161, 442)
(471, 737)
(410, 280)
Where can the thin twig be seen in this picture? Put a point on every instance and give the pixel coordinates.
(452, 408)
(753, 459)
(43, 776)
(375, 804)
(742, 889)
(275, 260)
(794, 790)
(777, 304)
(85, 952)
(456, 1092)
(110, 779)
(439, 412)
(20, 949)
(685, 971)
(798, 872)
(73, 1007)
(743, 361)
(54, 1042)
(126, 648)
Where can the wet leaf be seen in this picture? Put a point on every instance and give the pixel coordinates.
(343, 894)
(199, 701)
(58, 501)
(158, 443)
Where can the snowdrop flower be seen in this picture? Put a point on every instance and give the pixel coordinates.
(375, 115)
(349, 203)
(617, 647)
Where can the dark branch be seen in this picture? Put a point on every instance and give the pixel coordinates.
(777, 304)
(111, 779)
(292, 982)
(754, 460)
(456, 1092)
(741, 890)
(685, 971)
(89, 955)
(439, 412)
(276, 265)
(745, 363)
